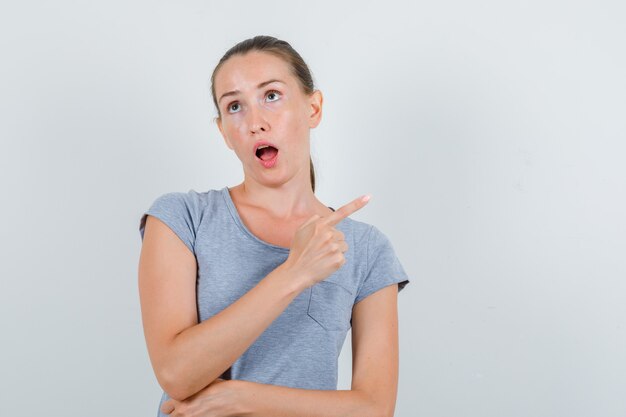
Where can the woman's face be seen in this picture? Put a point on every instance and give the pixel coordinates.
(260, 100)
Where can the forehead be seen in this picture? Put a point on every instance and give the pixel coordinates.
(245, 72)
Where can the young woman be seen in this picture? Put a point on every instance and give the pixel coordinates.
(247, 292)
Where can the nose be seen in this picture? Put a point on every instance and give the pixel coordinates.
(257, 121)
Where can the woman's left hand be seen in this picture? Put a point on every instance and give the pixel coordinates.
(218, 399)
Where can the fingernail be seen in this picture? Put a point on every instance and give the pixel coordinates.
(366, 197)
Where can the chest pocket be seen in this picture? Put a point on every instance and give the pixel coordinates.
(330, 305)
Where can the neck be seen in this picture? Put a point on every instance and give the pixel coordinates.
(288, 200)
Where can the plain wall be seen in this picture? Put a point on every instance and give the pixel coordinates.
(490, 134)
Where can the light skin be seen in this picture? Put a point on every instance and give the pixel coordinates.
(282, 195)
(281, 113)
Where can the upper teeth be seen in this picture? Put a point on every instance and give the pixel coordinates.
(263, 146)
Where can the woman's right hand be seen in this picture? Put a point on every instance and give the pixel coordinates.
(317, 247)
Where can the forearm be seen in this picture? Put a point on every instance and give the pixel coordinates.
(201, 353)
(263, 400)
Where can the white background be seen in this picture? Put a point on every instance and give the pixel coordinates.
(491, 135)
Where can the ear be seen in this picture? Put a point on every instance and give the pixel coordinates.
(218, 120)
(315, 105)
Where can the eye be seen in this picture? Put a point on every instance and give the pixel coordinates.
(235, 105)
(273, 93)
(230, 106)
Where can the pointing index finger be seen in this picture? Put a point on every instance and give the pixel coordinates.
(346, 210)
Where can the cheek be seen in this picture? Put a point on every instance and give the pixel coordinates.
(293, 122)
(236, 131)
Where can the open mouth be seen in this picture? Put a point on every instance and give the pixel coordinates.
(266, 152)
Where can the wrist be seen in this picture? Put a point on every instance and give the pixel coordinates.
(244, 405)
(290, 278)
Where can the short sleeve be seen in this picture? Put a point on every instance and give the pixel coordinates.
(383, 266)
(178, 211)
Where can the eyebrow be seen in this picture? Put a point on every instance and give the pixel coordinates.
(263, 84)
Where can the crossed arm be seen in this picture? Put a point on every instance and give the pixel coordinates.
(167, 285)
(374, 375)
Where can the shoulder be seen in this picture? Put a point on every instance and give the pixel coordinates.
(362, 232)
(184, 208)
(382, 267)
(191, 201)
(190, 197)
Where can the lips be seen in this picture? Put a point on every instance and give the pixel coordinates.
(266, 153)
(263, 142)
(265, 150)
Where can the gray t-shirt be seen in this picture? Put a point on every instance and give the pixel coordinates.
(301, 347)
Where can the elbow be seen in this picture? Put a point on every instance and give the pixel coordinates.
(173, 385)
(381, 408)
(178, 386)
(175, 393)
(374, 406)
(383, 412)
